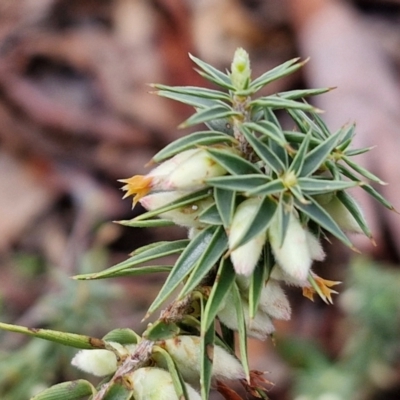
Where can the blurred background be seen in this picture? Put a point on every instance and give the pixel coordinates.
(76, 115)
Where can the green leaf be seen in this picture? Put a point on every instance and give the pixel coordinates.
(154, 251)
(207, 357)
(276, 102)
(348, 135)
(355, 211)
(284, 211)
(73, 390)
(234, 164)
(305, 124)
(257, 284)
(357, 152)
(161, 330)
(238, 182)
(194, 101)
(211, 216)
(317, 156)
(179, 384)
(301, 93)
(298, 160)
(64, 338)
(221, 287)
(118, 390)
(241, 330)
(194, 91)
(320, 186)
(368, 188)
(151, 223)
(258, 224)
(228, 338)
(225, 202)
(122, 336)
(184, 266)
(269, 130)
(274, 187)
(278, 72)
(223, 125)
(178, 203)
(298, 137)
(215, 249)
(264, 152)
(297, 193)
(208, 114)
(322, 218)
(362, 171)
(201, 138)
(138, 271)
(217, 76)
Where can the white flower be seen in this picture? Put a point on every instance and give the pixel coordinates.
(184, 216)
(185, 351)
(151, 383)
(100, 362)
(293, 256)
(245, 257)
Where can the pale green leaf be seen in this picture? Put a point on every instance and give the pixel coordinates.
(225, 202)
(73, 390)
(208, 114)
(239, 182)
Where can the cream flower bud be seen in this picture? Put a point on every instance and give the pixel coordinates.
(293, 256)
(342, 216)
(245, 257)
(185, 351)
(151, 383)
(192, 173)
(274, 302)
(100, 362)
(185, 216)
(240, 69)
(314, 246)
(260, 327)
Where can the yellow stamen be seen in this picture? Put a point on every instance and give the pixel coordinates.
(139, 185)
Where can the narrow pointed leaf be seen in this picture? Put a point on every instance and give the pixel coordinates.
(122, 336)
(322, 218)
(242, 331)
(225, 202)
(211, 216)
(73, 390)
(184, 265)
(194, 91)
(67, 339)
(222, 285)
(264, 152)
(278, 72)
(298, 194)
(228, 337)
(278, 103)
(357, 152)
(178, 203)
(137, 271)
(319, 186)
(208, 114)
(257, 283)
(215, 73)
(223, 125)
(348, 135)
(322, 127)
(268, 129)
(284, 211)
(298, 137)
(305, 124)
(274, 187)
(301, 93)
(316, 157)
(239, 182)
(216, 248)
(150, 223)
(298, 160)
(355, 211)
(194, 101)
(156, 250)
(362, 171)
(259, 223)
(207, 355)
(233, 163)
(190, 141)
(118, 390)
(161, 330)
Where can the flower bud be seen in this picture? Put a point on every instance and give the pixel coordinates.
(260, 327)
(274, 302)
(100, 362)
(342, 216)
(185, 351)
(184, 216)
(293, 256)
(314, 247)
(245, 257)
(151, 383)
(240, 70)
